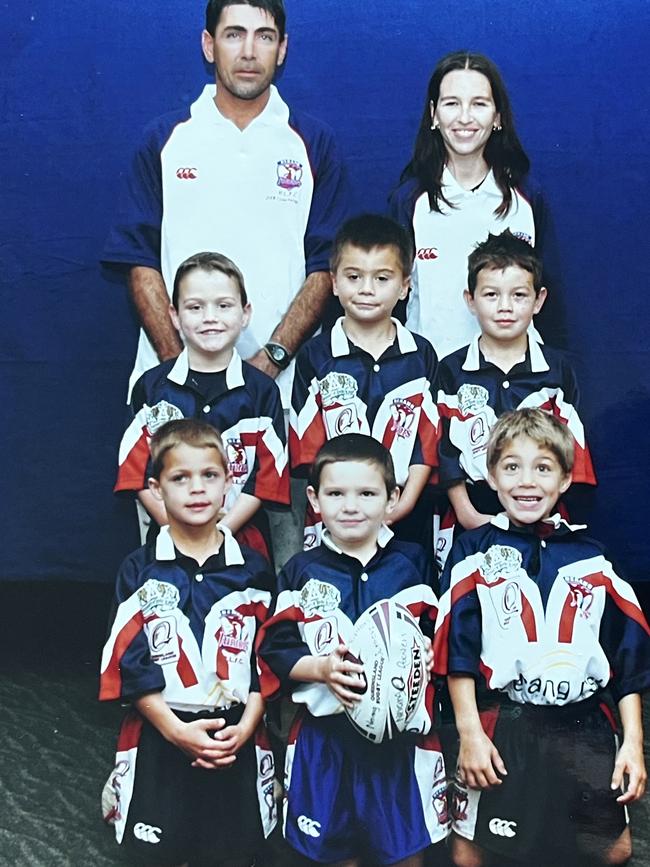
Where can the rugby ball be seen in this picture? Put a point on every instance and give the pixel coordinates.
(388, 643)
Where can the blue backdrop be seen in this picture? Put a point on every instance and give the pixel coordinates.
(81, 79)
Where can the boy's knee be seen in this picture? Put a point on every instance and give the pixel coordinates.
(466, 854)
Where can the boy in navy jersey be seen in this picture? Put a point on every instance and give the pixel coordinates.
(369, 374)
(503, 369)
(189, 782)
(209, 381)
(535, 629)
(346, 797)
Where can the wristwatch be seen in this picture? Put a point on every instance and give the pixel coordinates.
(279, 355)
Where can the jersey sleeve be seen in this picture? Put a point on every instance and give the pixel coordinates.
(306, 427)
(134, 453)
(127, 670)
(330, 204)
(262, 580)
(426, 447)
(269, 479)
(450, 469)
(624, 634)
(280, 645)
(457, 639)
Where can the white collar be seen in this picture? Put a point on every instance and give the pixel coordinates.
(502, 521)
(232, 552)
(538, 363)
(275, 111)
(453, 191)
(181, 369)
(383, 538)
(340, 346)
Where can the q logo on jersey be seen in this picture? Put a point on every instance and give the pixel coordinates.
(478, 431)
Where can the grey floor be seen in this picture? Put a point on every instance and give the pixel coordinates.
(57, 740)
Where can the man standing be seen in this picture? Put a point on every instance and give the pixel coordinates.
(242, 174)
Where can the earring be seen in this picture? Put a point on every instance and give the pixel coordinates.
(435, 125)
(497, 128)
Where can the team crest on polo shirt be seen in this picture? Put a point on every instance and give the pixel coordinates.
(237, 459)
(322, 636)
(499, 562)
(472, 398)
(159, 414)
(289, 174)
(319, 597)
(507, 602)
(403, 412)
(582, 594)
(233, 641)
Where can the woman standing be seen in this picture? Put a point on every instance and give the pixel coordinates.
(466, 178)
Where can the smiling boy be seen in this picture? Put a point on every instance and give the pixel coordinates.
(186, 783)
(347, 797)
(503, 369)
(369, 374)
(535, 630)
(209, 381)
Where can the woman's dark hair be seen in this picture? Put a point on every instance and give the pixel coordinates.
(503, 151)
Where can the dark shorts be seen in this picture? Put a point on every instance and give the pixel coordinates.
(347, 797)
(557, 792)
(178, 813)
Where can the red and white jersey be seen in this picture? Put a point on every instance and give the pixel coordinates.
(540, 614)
(474, 392)
(340, 388)
(185, 630)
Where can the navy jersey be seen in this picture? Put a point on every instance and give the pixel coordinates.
(474, 392)
(185, 630)
(270, 197)
(340, 388)
(321, 594)
(540, 614)
(245, 407)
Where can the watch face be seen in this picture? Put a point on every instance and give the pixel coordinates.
(278, 353)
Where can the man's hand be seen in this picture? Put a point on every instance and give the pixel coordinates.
(262, 362)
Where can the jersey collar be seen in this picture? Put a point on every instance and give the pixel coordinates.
(383, 538)
(453, 192)
(232, 552)
(276, 111)
(538, 363)
(554, 525)
(234, 373)
(340, 345)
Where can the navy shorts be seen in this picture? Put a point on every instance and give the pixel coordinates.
(347, 797)
(170, 812)
(557, 792)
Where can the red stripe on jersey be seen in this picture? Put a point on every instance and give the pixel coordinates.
(630, 609)
(528, 619)
(567, 619)
(184, 667)
(486, 671)
(268, 484)
(419, 609)
(111, 679)
(302, 451)
(583, 468)
(132, 474)
(129, 736)
(429, 440)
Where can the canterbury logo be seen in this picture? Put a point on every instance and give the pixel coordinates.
(147, 833)
(308, 826)
(427, 253)
(502, 827)
(186, 174)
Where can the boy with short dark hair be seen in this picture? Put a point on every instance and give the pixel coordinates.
(504, 368)
(210, 381)
(347, 797)
(369, 374)
(189, 781)
(535, 629)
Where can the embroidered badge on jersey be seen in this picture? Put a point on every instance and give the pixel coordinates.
(233, 642)
(158, 600)
(339, 399)
(404, 418)
(237, 460)
(289, 174)
(319, 597)
(160, 413)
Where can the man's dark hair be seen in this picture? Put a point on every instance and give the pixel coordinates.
(368, 231)
(503, 251)
(354, 447)
(275, 8)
